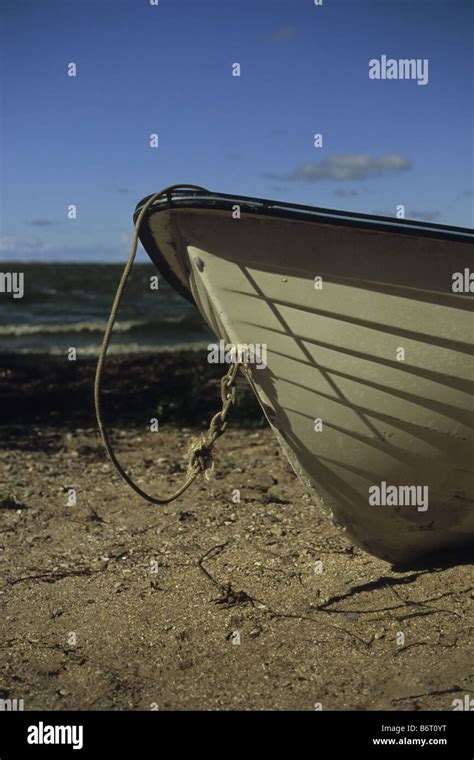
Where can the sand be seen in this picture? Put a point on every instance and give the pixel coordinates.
(205, 604)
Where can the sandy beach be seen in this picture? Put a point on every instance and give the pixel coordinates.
(112, 603)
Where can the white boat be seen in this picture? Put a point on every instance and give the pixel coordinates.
(368, 326)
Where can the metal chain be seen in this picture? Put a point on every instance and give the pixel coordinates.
(200, 453)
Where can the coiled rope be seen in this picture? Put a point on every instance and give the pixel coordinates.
(200, 449)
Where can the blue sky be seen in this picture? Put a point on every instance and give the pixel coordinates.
(167, 69)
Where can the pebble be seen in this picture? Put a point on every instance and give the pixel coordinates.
(277, 530)
(264, 480)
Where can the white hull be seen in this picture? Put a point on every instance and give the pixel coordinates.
(336, 354)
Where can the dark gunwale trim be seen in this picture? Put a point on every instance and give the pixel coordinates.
(209, 201)
(223, 202)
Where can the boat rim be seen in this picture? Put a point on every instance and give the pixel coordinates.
(204, 200)
(213, 201)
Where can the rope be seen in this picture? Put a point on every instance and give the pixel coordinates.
(200, 449)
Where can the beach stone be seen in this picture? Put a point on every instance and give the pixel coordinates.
(263, 481)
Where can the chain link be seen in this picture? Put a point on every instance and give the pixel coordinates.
(200, 454)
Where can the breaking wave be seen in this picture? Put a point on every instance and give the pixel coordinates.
(119, 349)
(72, 327)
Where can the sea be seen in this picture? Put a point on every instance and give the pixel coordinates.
(66, 305)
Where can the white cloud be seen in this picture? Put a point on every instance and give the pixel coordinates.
(346, 167)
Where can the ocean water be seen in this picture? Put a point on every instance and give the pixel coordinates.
(67, 305)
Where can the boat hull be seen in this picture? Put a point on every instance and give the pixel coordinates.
(369, 372)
